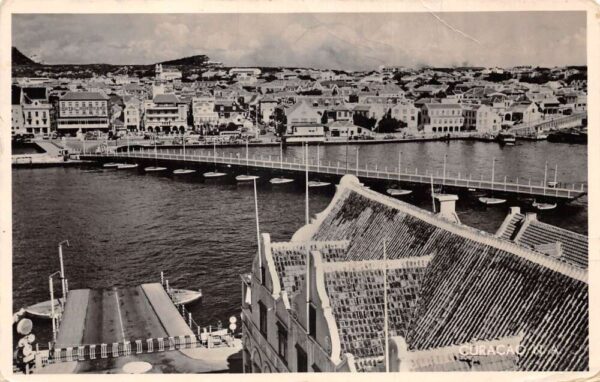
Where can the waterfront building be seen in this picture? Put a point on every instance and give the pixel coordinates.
(132, 114)
(165, 113)
(203, 111)
(267, 109)
(36, 110)
(408, 113)
(84, 111)
(440, 117)
(348, 130)
(301, 114)
(372, 282)
(481, 118)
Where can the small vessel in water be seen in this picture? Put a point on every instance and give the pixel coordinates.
(246, 178)
(110, 165)
(183, 171)
(185, 296)
(125, 166)
(316, 183)
(154, 169)
(491, 201)
(507, 138)
(43, 310)
(543, 206)
(281, 180)
(213, 174)
(398, 192)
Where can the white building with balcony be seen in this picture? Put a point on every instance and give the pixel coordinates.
(165, 113)
(203, 111)
(83, 111)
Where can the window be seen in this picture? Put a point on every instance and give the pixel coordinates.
(301, 360)
(262, 313)
(312, 321)
(262, 275)
(282, 340)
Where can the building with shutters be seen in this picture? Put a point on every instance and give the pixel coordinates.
(83, 111)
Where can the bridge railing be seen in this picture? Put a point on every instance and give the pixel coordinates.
(530, 187)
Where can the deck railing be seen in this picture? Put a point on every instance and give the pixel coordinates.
(534, 188)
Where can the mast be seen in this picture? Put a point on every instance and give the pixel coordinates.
(444, 171)
(318, 147)
(555, 174)
(385, 309)
(357, 159)
(432, 193)
(257, 231)
(493, 168)
(399, 162)
(545, 176)
(215, 154)
(306, 186)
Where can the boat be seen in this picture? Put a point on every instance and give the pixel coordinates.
(183, 171)
(398, 191)
(43, 310)
(507, 138)
(213, 174)
(281, 180)
(544, 206)
(316, 183)
(125, 166)
(110, 165)
(154, 169)
(491, 201)
(246, 178)
(185, 296)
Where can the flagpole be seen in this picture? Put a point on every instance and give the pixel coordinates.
(306, 185)
(257, 231)
(385, 309)
(432, 193)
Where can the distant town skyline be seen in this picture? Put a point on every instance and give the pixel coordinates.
(337, 41)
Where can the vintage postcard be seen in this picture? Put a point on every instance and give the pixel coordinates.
(301, 187)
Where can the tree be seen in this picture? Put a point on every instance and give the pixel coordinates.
(387, 124)
(280, 121)
(364, 121)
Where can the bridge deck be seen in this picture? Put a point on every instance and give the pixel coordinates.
(535, 189)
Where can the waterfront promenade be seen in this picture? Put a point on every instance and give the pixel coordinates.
(173, 159)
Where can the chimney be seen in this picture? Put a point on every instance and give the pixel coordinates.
(530, 217)
(447, 207)
(515, 210)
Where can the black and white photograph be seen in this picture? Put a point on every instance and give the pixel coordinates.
(300, 191)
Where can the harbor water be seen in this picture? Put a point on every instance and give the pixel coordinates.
(126, 227)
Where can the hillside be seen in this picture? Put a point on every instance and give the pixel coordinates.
(197, 60)
(19, 58)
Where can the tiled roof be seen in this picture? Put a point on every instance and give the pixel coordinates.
(476, 286)
(290, 260)
(166, 98)
(85, 96)
(534, 234)
(356, 296)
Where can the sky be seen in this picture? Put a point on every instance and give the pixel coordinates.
(360, 41)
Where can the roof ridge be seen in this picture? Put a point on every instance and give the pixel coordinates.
(350, 182)
(377, 264)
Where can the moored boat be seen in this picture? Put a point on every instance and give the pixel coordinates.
(398, 192)
(125, 166)
(43, 309)
(544, 206)
(185, 296)
(507, 138)
(316, 183)
(154, 169)
(183, 171)
(110, 165)
(281, 180)
(214, 174)
(246, 178)
(491, 201)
